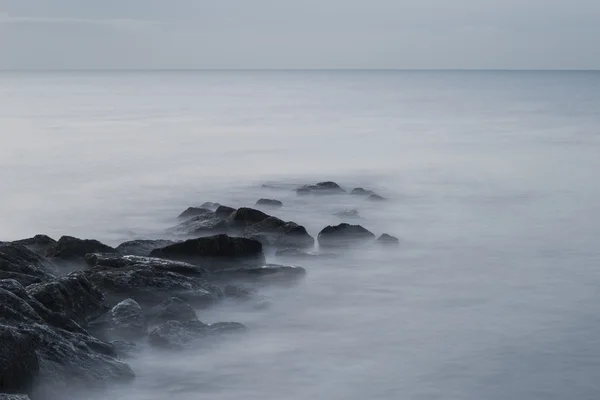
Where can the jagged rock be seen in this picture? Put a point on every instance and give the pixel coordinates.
(125, 321)
(73, 294)
(321, 188)
(270, 273)
(4, 396)
(119, 261)
(244, 217)
(19, 263)
(194, 211)
(141, 247)
(388, 239)
(39, 244)
(224, 211)
(210, 205)
(214, 252)
(375, 197)
(67, 356)
(206, 223)
(269, 203)
(175, 334)
(173, 309)
(347, 214)
(275, 232)
(344, 235)
(361, 192)
(71, 248)
(149, 286)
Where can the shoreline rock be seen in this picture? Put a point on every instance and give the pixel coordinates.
(344, 235)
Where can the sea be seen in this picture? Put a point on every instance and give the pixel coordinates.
(491, 180)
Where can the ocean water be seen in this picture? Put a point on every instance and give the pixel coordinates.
(492, 187)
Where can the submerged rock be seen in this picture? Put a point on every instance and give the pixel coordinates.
(269, 203)
(125, 321)
(299, 254)
(173, 309)
(214, 252)
(376, 197)
(194, 211)
(344, 235)
(321, 188)
(73, 294)
(39, 244)
(361, 192)
(19, 263)
(71, 248)
(175, 334)
(273, 231)
(141, 247)
(347, 214)
(388, 239)
(270, 273)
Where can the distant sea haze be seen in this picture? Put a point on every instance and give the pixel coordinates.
(490, 180)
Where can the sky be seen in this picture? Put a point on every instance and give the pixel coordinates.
(405, 34)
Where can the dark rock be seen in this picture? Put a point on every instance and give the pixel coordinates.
(224, 211)
(70, 357)
(73, 294)
(269, 203)
(275, 232)
(194, 211)
(214, 252)
(244, 217)
(70, 248)
(173, 309)
(175, 334)
(39, 244)
(119, 261)
(302, 191)
(4, 396)
(207, 223)
(141, 247)
(321, 188)
(150, 286)
(19, 263)
(270, 273)
(347, 214)
(344, 234)
(388, 239)
(125, 321)
(210, 205)
(361, 192)
(375, 197)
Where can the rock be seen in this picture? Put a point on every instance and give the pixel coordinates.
(347, 214)
(194, 211)
(19, 263)
(175, 334)
(299, 254)
(238, 292)
(141, 247)
(344, 234)
(321, 188)
(210, 205)
(269, 203)
(70, 248)
(375, 197)
(361, 192)
(73, 294)
(39, 244)
(302, 191)
(173, 309)
(214, 252)
(125, 321)
(244, 217)
(150, 286)
(388, 239)
(4, 396)
(270, 273)
(124, 348)
(119, 261)
(67, 356)
(273, 231)
(224, 211)
(207, 223)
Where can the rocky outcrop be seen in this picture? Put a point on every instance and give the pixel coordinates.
(141, 247)
(150, 263)
(19, 263)
(224, 211)
(321, 188)
(73, 294)
(67, 356)
(175, 334)
(125, 321)
(70, 248)
(269, 203)
(39, 244)
(344, 235)
(275, 232)
(388, 239)
(348, 214)
(173, 309)
(194, 211)
(214, 252)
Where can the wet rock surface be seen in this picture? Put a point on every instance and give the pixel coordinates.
(19, 263)
(208, 223)
(119, 261)
(125, 321)
(273, 231)
(344, 235)
(71, 248)
(141, 247)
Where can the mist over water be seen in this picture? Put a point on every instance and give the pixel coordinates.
(491, 180)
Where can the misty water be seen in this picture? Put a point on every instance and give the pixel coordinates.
(492, 187)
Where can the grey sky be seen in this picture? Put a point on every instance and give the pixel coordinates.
(42, 34)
